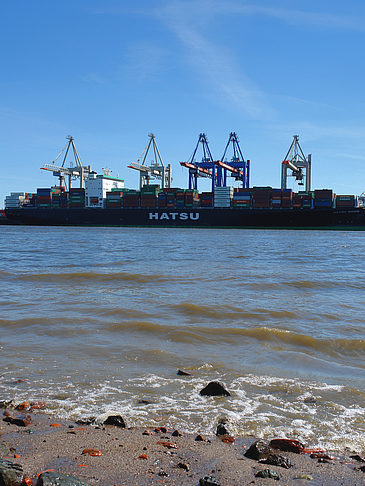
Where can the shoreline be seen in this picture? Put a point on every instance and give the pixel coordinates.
(138, 456)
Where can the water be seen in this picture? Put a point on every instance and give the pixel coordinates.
(101, 318)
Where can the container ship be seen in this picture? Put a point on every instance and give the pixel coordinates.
(102, 199)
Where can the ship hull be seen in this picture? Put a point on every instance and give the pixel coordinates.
(192, 217)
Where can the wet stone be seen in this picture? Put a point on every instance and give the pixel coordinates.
(287, 445)
(215, 389)
(183, 465)
(176, 433)
(221, 430)
(57, 479)
(183, 373)
(258, 450)
(277, 460)
(208, 481)
(22, 421)
(86, 421)
(357, 458)
(11, 474)
(267, 473)
(115, 420)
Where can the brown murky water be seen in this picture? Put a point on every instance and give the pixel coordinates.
(101, 318)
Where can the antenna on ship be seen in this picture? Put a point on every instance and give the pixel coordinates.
(296, 161)
(156, 169)
(78, 171)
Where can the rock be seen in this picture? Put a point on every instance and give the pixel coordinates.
(258, 450)
(208, 481)
(22, 421)
(215, 389)
(277, 460)
(308, 477)
(183, 373)
(183, 465)
(147, 432)
(221, 429)
(6, 403)
(52, 478)
(358, 458)
(11, 474)
(201, 438)
(287, 445)
(115, 420)
(362, 468)
(267, 473)
(176, 433)
(144, 402)
(110, 418)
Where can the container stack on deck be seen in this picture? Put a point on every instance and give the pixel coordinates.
(345, 202)
(76, 198)
(262, 197)
(223, 197)
(151, 196)
(323, 198)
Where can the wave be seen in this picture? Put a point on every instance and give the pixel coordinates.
(230, 334)
(74, 277)
(227, 312)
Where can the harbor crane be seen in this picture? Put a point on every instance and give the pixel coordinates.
(156, 169)
(296, 161)
(205, 168)
(218, 170)
(80, 171)
(237, 167)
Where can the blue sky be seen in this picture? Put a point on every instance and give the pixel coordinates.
(110, 72)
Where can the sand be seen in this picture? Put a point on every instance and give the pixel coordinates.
(131, 458)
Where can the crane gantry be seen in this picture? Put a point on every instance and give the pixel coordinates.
(79, 171)
(296, 161)
(156, 169)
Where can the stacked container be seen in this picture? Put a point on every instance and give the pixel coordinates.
(162, 199)
(15, 200)
(276, 198)
(113, 199)
(297, 201)
(131, 199)
(262, 197)
(171, 196)
(242, 198)
(44, 197)
(307, 200)
(191, 198)
(77, 198)
(223, 197)
(149, 194)
(345, 201)
(323, 198)
(286, 198)
(206, 199)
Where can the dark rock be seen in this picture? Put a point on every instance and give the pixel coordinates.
(52, 478)
(208, 481)
(325, 461)
(11, 474)
(163, 474)
(221, 429)
(215, 389)
(176, 433)
(183, 373)
(201, 438)
(277, 460)
(183, 465)
(6, 403)
(147, 432)
(320, 455)
(86, 421)
(115, 420)
(267, 473)
(22, 421)
(143, 402)
(358, 458)
(258, 450)
(362, 468)
(287, 445)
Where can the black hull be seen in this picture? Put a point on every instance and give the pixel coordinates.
(192, 217)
